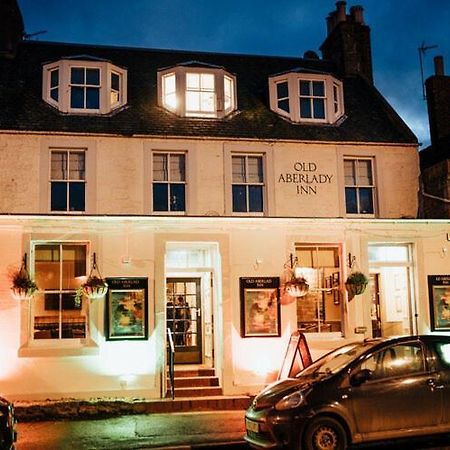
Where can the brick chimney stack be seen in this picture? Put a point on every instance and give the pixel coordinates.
(438, 102)
(348, 42)
(11, 28)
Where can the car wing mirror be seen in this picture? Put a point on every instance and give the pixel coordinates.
(360, 377)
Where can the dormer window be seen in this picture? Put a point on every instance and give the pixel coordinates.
(197, 90)
(306, 97)
(84, 85)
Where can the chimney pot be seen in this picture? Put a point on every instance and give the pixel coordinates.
(439, 65)
(340, 9)
(357, 14)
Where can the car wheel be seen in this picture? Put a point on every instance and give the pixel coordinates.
(325, 433)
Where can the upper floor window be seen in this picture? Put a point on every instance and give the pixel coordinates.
(83, 85)
(359, 186)
(56, 314)
(310, 98)
(247, 183)
(67, 180)
(169, 182)
(197, 90)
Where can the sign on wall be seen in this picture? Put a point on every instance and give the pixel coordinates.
(439, 296)
(127, 309)
(260, 307)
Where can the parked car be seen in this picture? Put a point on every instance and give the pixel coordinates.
(8, 433)
(362, 392)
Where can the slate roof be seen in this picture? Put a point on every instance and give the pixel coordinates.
(369, 118)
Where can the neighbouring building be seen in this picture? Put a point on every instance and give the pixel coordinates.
(194, 182)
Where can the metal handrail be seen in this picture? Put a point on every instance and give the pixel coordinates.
(171, 363)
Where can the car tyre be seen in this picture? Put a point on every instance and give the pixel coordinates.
(324, 433)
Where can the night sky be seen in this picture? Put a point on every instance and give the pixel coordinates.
(261, 27)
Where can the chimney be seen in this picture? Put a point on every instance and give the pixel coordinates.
(438, 101)
(11, 28)
(348, 42)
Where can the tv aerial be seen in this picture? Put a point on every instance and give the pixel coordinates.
(29, 36)
(422, 50)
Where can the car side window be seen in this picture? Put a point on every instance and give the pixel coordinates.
(443, 350)
(397, 360)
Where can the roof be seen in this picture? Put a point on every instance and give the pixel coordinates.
(369, 118)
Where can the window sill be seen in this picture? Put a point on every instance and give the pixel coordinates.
(72, 347)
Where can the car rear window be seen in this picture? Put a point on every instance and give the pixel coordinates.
(443, 350)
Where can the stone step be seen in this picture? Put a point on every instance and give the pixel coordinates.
(180, 373)
(183, 382)
(205, 391)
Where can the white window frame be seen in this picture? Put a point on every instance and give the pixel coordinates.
(293, 80)
(247, 183)
(180, 72)
(357, 186)
(64, 88)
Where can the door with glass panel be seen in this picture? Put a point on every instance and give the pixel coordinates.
(183, 318)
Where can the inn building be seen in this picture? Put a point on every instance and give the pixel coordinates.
(198, 185)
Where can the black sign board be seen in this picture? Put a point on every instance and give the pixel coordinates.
(297, 356)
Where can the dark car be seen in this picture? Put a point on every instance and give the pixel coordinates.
(362, 392)
(7, 425)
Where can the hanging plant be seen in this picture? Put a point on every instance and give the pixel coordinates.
(23, 287)
(294, 287)
(356, 284)
(95, 287)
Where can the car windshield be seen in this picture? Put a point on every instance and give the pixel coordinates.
(334, 361)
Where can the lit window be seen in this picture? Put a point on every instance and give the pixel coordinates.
(197, 90)
(306, 98)
(79, 86)
(359, 186)
(169, 182)
(59, 269)
(67, 180)
(248, 183)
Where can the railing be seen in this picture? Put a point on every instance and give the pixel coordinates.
(171, 351)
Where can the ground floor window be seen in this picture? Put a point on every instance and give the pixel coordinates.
(321, 309)
(59, 269)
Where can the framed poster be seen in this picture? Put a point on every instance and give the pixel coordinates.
(439, 296)
(127, 309)
(260, 307)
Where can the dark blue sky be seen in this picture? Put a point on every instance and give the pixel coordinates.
(265, 27)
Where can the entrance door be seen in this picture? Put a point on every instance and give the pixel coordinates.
(183, 318)
(375, 311)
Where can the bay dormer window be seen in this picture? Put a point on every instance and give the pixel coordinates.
(196, 89)
(84, 85)
(307, 97)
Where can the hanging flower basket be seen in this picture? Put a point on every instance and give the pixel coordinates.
(297, 287)
(356, 284)
(23, 287)
(95, 287)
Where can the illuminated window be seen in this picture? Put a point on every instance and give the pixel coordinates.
(169, 182)
(59, 269)
(304, 97)
(247, 183)
(84, 85)
(67, 180)
(197, 90)
(359, 186)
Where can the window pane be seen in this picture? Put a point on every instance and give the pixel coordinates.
(58, 196)
(239, 199)
(76, 166)
(282, 90)
(73, 321)
(284, 105)
(58, 165)
(305, 88)
(46, 324)
(238, 169)
(77, 75)
(115, 81)
(207, 81)
(54, 78)
(92, 98)
(93, 77)
(351, 205)
(192, 101)
(177, 168)
(51, 301)
(349, 172)
(169, 83)
(160, 197)
(193, 81)
(177, 201)
(365, 201)
(76, 196)
(305, 108)
(73, 265)
(160, 172)
(54, 94)
(207, 101)
(364, 172)
(255, 198)
(319, 108)
(47, 267)
(77, 97)
(255, 169)
(318, 89)
(228, 92)
(388, 253)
